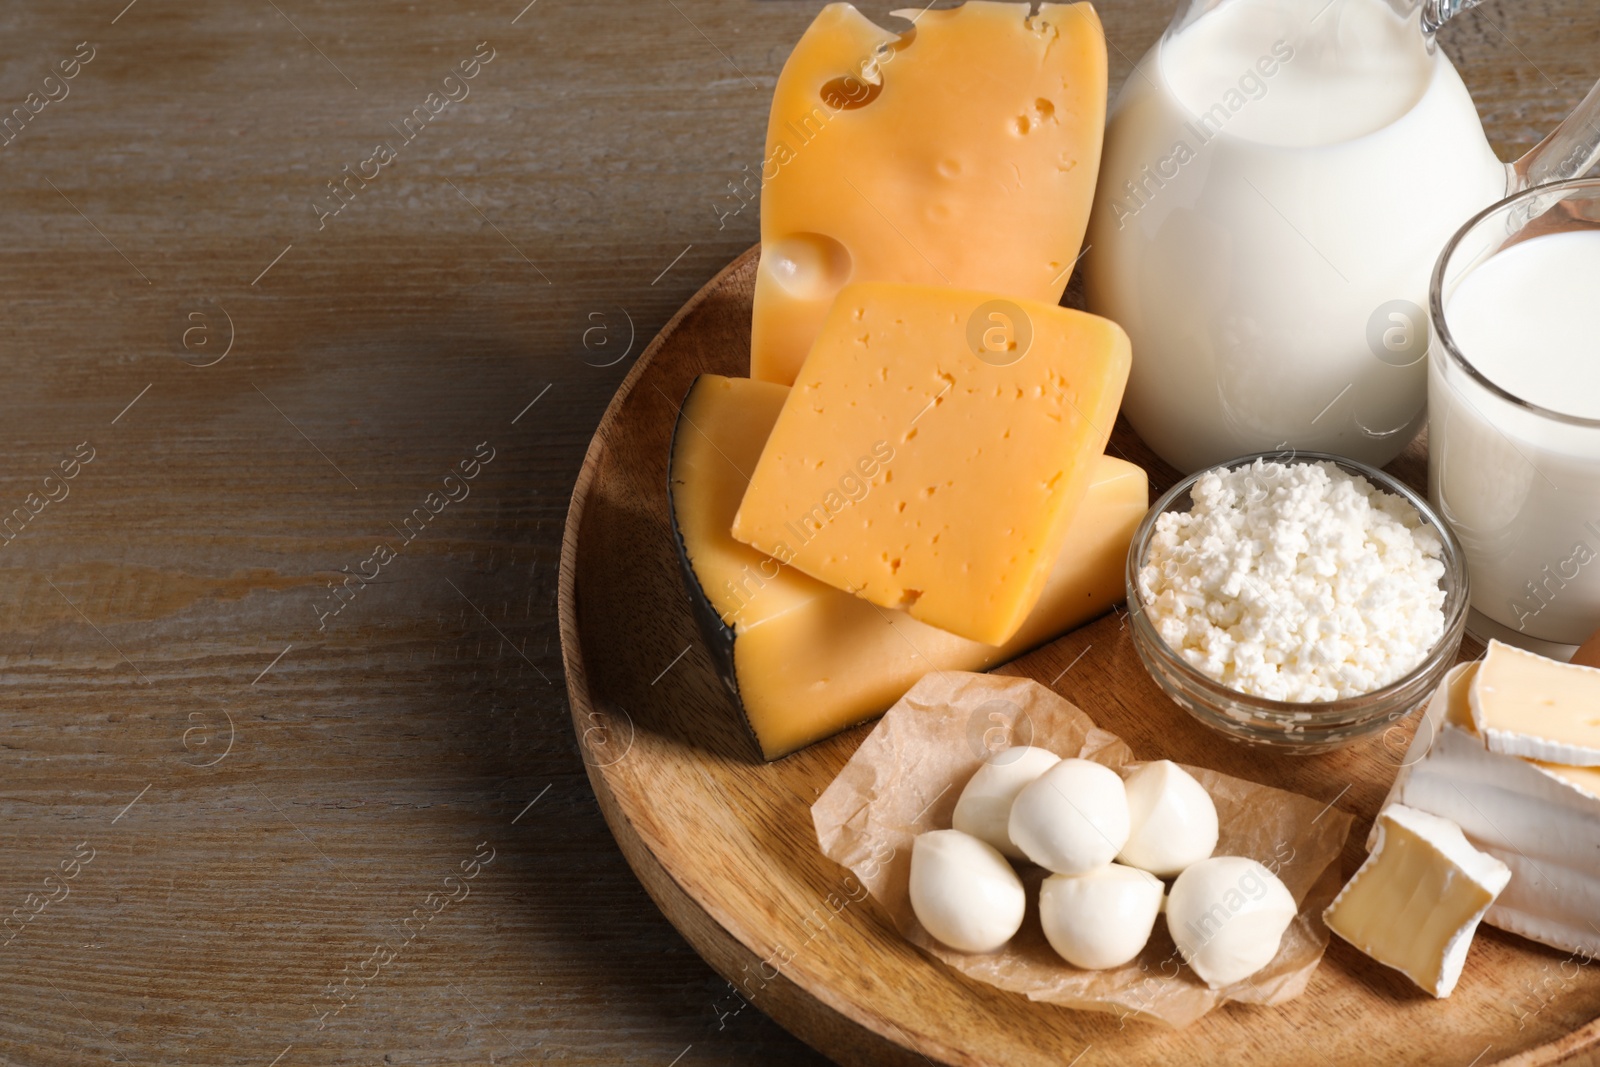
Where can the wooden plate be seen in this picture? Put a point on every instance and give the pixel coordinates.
(724, 843)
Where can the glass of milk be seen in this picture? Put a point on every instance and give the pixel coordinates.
(1278, 179)
(1514, 412)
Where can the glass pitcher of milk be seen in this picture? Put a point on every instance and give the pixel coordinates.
(1278, 179)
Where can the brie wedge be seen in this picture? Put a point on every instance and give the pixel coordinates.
(1526, 705)
(1540, 820)
(1416, 902)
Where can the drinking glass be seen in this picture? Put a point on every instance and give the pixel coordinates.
(1519, 483)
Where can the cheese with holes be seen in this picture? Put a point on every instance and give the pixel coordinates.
(1526, 705)
(1540, 820)
(1417, 900)
(982, 418)
(963, 152)
(806, 660)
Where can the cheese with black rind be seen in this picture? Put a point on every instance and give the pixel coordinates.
(719, 637)
(804, 660)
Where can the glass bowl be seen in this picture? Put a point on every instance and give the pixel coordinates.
(1288, 726)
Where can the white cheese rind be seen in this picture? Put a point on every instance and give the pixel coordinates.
(1526, 705)
(1540, 825)
(1417, 853)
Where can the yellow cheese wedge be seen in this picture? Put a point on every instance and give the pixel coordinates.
(806, 660)
(962, 153)
(1415, 903)
(982, 418)
(1526, 705)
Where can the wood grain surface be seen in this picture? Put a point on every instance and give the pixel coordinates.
(274, 796)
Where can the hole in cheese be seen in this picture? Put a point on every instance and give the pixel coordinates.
(850, 92)
(930, 180)
(811, 266)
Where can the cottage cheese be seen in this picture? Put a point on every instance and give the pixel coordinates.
(1295, 582)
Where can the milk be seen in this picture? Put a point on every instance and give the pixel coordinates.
(1343, 73)
(1522, 490)
(1529, 320)
(1279, 176)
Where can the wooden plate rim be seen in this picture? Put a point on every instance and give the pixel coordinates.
(631, 840)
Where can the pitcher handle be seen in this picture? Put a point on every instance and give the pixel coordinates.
(1569, 152)
(1436, 12)
(1572, 147)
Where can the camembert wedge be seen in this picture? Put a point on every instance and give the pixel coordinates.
(1541, 820)
(805, 660)
(982, 420)
(1417, 900)
(1526, 705)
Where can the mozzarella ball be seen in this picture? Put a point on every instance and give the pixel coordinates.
(1171, 819)
(963, 892)
(1072, 818)
(1227, 915)
(1100, 919)
(985, 805)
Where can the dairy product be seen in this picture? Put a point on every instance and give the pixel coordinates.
(1416, 901)
(1341, 73)
(1227, 915)
(1522, 490)
(922, 470)
(1072, 818)
(1541, 821)
(1527, 705)
(963, 892)
(1101, 918)
(805, 660)
(984, 808)
(1171, 818)
(963, 152)
(1295, 582)
(1527, 318)
(1278, 177)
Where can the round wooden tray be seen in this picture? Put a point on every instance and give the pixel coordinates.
(724, 842)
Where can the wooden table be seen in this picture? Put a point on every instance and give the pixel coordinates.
(272, 794)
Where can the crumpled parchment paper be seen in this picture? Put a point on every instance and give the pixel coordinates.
(905, 778)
